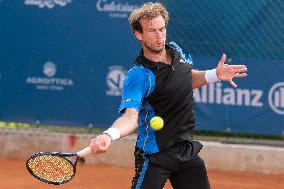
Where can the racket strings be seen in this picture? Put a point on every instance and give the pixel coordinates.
(51, 168)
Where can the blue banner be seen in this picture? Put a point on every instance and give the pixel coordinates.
(63, 61)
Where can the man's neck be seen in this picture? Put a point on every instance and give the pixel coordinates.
(162, 56)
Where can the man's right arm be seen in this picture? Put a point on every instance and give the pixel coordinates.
(124, 125)
(133, 94)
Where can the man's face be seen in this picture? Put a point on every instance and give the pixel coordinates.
(153, 36)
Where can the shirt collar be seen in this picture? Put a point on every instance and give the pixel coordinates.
(141, 59)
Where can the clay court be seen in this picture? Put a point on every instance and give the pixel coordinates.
(13, 175)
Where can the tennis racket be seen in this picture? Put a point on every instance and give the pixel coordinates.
(55, 167)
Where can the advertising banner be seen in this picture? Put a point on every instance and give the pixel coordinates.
(62, 62)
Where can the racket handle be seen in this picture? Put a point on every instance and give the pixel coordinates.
(84, 152)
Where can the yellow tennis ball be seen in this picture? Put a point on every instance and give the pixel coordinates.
(157, 123)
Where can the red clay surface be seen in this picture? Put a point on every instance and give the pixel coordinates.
(13, 175)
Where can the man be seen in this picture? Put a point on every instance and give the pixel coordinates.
(161, 84)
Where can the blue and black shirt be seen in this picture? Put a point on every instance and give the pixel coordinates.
(159, 89)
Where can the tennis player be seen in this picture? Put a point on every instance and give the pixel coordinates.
(161, 83)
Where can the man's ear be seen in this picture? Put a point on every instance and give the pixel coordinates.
(138, 35)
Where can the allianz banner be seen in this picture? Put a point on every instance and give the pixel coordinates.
(255, 106)
(63, 61)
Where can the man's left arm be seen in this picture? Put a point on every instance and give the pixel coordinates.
(223, 72)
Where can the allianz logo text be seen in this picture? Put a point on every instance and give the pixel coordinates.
(215, 94)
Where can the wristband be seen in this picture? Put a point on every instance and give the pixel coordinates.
(211, 76)
(113, 133)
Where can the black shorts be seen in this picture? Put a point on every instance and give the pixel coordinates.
(179, 163)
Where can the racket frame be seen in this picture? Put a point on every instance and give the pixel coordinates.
(58, 154)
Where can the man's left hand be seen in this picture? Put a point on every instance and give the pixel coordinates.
(227, 72)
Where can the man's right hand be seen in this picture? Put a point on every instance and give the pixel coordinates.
(100, 144)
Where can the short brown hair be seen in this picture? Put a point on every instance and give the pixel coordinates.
(147, 11)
